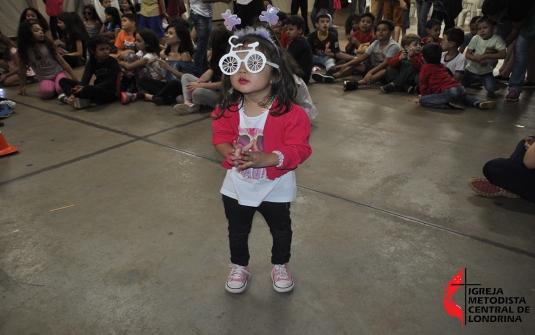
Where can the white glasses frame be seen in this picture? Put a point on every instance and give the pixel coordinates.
(255, 61)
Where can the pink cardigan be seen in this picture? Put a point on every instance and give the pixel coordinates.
(288, 133)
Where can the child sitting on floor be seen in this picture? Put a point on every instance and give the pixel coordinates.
(380, 52)
(324, 44)
(432, 27)
(105, 88)
(361, 35)
(299, 48)
(452, 59)
(483, 53)
(403, 69)
(125, 41)
(438, 89)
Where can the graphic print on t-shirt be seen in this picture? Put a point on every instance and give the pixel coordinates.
(246, 135)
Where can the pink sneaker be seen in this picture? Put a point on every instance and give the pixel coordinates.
(282, 278)
(237, 279)
(483, 187)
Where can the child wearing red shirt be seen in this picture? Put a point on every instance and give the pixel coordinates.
(438, 88)
(403, 69)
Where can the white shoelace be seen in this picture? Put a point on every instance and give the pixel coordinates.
(237, 272)
(280, 271)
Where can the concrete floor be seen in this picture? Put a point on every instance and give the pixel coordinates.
(383, 220)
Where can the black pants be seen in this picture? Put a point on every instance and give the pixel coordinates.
(303, 5)
(511, 174)
(159, 89)
(240, 220)
(441, 16)
(97, 94)
(408, 76)
(248, 13)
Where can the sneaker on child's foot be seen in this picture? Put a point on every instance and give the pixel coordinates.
(408, 88)
(456, 105)
(487, 104)
(388, 88)
(63, 98)
(321, 78)
(179, 99)
(282, 278)
(237, 279)
(350, 85)
(127, 97)
(483, 187)
(81, 103)
(182, 109)
(513, 96)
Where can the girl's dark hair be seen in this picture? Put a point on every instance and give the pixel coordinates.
(40, 18)
(151, 40)
(186, 45)
(219, 40)
(351, 18)
(95, 14)
(26, 41)
(9, 44)
(131, 5)
(283, 87)
(94, 42)
(114, 12)
(80, 26)
(71, 29)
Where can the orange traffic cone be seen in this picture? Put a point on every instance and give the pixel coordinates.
(6, 148)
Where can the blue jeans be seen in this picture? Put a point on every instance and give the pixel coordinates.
(324, 60)
(203, 27)
(422, 8)
(521, 58)
(486, 79)
(452, 94)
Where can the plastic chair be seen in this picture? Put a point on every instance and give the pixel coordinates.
(469, 7)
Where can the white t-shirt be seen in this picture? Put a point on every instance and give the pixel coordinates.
(454, 65)
(479, 46)
(378, 55)
(252, 186)
(203, 9)
(150, 68)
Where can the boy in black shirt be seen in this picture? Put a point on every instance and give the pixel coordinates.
(299, 48)
(324, 44)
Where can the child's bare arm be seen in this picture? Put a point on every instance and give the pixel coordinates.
(138, 63)
(457, 76)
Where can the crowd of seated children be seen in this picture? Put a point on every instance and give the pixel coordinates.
(299, 48)
(360, 34)
(372, 64)
(438, 89)
(402, 73)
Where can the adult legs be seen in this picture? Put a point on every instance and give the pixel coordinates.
(377, 9)
(520, 63)
(303, 6)
(422, 8)
(203, 27)
(511, 174)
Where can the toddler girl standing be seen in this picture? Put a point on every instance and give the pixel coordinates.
(263, 136)
(39, 52)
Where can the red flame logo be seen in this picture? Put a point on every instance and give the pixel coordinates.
(451, 307)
